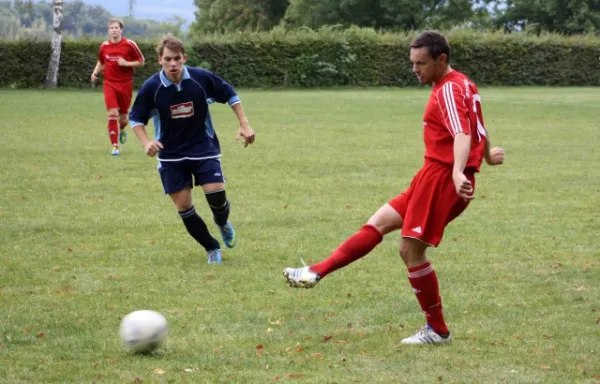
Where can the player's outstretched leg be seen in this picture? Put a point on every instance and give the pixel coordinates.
(219, 205)
(355, 247)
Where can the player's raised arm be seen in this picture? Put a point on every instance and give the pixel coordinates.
(223, 92)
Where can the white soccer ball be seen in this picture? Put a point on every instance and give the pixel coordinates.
(143, 331)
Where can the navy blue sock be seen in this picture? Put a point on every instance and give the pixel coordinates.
(219, 205)
(198, 230)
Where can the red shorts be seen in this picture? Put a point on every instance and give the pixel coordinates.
(118, 95)
(430, 203)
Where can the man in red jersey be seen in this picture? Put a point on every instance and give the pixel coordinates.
(456, 142)
(117, 56)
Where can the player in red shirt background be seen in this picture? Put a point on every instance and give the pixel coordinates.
(456, 142)
(117, 57)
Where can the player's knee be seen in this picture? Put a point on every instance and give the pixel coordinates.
(113, 113)
(216, 200)
(123, 120)
(412, 251)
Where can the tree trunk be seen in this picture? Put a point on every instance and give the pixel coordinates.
(57, 26)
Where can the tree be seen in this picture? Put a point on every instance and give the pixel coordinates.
(228, 15)
(383, 14)
(57, 27)
(564, 16)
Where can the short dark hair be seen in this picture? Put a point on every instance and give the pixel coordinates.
(435, 43)
(172, 43)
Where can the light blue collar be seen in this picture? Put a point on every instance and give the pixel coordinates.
(167, 83)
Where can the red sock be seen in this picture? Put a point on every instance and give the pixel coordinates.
(355, 247)
(113, 130)
(425, 285)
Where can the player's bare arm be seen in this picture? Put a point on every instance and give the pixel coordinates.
(151, 148)
(97, 70)
(133, 64)
(493, 156)
(245, 130)
(462, 148)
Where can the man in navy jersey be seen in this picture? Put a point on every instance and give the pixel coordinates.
(185, 141)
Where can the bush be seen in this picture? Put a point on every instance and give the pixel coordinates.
(330, 57)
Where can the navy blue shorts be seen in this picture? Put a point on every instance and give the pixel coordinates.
(176, 176)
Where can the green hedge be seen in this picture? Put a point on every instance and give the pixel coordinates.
(355, 57)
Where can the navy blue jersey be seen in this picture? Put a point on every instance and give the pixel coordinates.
(180, 111)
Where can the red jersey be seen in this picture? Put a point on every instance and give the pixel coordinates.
(109, 55)
(454, 107)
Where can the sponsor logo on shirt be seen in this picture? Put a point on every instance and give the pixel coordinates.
(183, 110)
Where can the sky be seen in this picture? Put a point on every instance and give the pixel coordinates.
(149, 9)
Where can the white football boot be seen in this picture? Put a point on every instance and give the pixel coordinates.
(426, 336)
(301, 277)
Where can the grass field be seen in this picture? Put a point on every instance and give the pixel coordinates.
(86, 238)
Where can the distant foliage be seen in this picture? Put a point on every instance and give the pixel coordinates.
(562, 16)
(331, 57)
(26, 19)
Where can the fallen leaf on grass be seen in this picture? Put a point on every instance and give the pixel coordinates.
(276, 378)
(269, 330)
(326, 338)
(55, 268)
(277, 322)
(159, 371)
(188, 370)
(293, 375)
(545, 367)
(598, 320)
(299, 348)
(579, 289)
(40, 335)
(340, 341)
(259, 350)
(137, 380)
